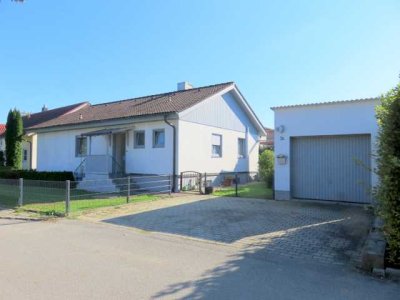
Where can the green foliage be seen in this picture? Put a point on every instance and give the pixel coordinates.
(266, 167)
(35, 175)
(14, 134)
(2, 159)
(388, 169)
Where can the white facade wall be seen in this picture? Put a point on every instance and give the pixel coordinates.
(149, 160)
(195, 149)
(220, 114)
(2, 144)
(316, 120)
(56, 150)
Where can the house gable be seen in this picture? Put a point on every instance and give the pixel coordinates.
(223, 110)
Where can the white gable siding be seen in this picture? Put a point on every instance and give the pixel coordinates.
(219, 111)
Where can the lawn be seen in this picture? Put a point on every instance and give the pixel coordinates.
(76, 206)
(251, 190)
(51, 200)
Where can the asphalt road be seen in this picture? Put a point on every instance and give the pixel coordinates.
(80, 260)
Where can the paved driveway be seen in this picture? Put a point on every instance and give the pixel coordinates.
(72, 259)
(305, 231)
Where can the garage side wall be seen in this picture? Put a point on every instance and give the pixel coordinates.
(347, 118)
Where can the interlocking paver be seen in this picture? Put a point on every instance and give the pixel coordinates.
(323, 233)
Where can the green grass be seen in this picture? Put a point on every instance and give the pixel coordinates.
(51, 201)
(58, 208)
(251, 190)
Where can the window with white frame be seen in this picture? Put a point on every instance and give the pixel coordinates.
(216, 145)
(241, 147)
(81, 146)
(158, 138)
(25, 155)
(139, 138)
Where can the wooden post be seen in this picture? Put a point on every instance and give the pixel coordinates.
(67, 197)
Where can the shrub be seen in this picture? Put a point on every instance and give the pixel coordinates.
(266, 167)
(14, 134)
(2, 159)
(388, 169)
(35, 175)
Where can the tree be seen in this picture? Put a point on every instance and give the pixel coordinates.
(266, 167)
(388, 169)
(14, 133)
(2, 160)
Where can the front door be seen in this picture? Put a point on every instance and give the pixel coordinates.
(119, 153)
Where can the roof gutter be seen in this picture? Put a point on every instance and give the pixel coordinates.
(173, 152)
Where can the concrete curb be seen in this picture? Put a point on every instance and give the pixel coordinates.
(373, 253)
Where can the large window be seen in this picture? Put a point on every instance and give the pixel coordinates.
(242, 147)
(139, 139)
(216, 145)
(158, 138)
(80, 146)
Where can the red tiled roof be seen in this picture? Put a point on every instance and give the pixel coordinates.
(2, 129)
(36, 119)
(175, 101)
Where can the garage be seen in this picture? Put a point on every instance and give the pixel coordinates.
(325, 151)
(335, 168)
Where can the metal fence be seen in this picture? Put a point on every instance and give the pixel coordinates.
(63, 197)
(238, 184)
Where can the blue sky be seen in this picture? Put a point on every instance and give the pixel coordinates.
(278, 52)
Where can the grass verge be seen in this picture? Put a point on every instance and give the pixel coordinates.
(252, 190)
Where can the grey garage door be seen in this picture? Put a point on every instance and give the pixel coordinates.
(331, 168)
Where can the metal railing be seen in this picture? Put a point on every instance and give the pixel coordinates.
(63, 197)
(98, 164)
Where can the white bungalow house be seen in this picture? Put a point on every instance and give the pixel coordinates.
(206, 129)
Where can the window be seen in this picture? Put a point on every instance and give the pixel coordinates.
(25, 155)
(138, 137)
(158, 138)
(216, 145)
(242, 147)
(80, 146)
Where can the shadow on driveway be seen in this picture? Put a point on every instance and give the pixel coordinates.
(324, 232)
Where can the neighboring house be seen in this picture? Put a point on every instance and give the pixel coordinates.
(267, 142)
(325, 150)
(206, 129)
(3, 139)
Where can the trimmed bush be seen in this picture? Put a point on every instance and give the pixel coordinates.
(388, 169)
(35, 175)
(266, 167)
(14, 134)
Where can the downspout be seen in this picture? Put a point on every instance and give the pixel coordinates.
(173, 153)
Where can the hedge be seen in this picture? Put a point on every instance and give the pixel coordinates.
(388, 169)
(35, 175)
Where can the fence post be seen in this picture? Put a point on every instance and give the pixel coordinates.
(170, 184)
(21, 192)
(181, 182)
(200, 182)
(128, 196)
(67, 196)
(236, 184)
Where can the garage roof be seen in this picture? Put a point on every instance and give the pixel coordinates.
(325, 103)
